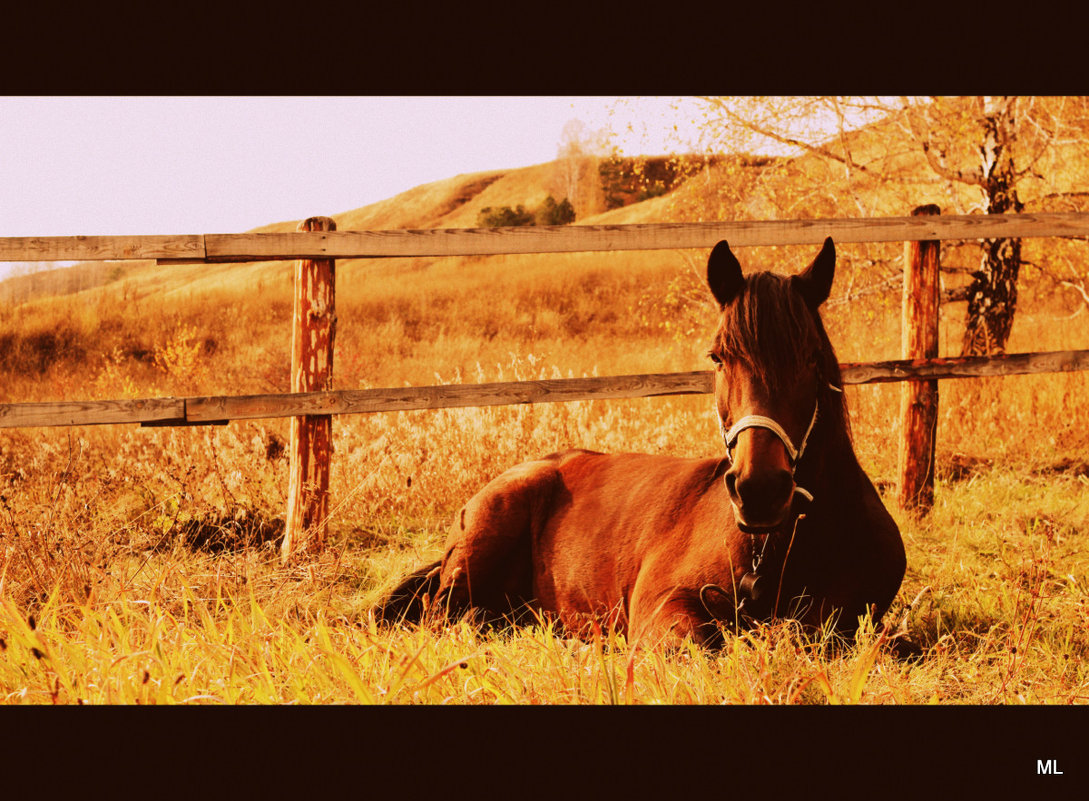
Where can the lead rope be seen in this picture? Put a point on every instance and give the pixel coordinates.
(752, 584)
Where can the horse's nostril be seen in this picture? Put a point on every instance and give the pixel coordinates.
(731, 485)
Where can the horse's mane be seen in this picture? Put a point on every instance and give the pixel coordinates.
(770, 328)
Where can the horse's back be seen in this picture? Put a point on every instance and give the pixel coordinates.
(487, 550)
(630, 490)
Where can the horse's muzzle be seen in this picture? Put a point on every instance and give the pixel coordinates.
(761, 500)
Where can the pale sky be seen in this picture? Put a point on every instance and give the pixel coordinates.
(194, 165)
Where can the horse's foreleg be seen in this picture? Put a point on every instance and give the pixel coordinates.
(667, 619)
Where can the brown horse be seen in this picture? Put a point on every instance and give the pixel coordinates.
(786, 525)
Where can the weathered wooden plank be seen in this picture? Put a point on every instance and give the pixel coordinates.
(600, 388)
(212, 410)
(448, 396)
(650, 236)
(101, 248)
(965, 367)
(535, 239)
(90, 413)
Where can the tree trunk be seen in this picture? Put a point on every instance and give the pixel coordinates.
(992, 295)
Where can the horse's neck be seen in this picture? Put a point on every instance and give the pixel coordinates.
(831, 472)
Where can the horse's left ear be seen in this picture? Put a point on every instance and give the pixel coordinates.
(815, 282)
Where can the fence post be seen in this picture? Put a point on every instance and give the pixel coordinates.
(919, 399)
(313, 330)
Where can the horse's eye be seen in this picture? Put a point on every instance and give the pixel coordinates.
(715, 358)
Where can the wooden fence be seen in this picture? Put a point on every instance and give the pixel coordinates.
(535, 239)
(316, 246)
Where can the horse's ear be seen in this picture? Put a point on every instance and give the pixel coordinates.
(724, 274)
(815, 282)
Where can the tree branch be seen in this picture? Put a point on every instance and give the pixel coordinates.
(936, 164)
(957, 176)
(1078, 286)
(783, 139)
(1062, 196)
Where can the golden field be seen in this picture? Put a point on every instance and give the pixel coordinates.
(139, 565)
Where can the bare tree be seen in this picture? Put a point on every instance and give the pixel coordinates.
(993, 155)
(992, 295)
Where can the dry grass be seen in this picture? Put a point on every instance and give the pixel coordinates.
(109, 597)
(139, 565)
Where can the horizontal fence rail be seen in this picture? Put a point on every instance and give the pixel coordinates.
(536, 239)
(221, 409)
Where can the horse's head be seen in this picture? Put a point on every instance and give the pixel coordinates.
(774, 372)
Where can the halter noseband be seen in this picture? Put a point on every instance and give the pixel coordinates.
(759, 421)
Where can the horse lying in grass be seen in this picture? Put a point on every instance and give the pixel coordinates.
(787, 524)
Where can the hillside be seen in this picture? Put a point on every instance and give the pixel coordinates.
(416, 318)
(451, 203)
(725, 188)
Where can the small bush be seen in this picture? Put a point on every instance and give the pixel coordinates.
(553, 213)
(34, 352)
(548, 213)
(504, 217)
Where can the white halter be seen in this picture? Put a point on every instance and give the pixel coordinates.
(759, 421)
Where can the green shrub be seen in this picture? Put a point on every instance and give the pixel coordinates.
(548, 213)
(552, 213)
(504, 217)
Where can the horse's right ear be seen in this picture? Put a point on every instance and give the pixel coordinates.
(724, 274)
(815, 281)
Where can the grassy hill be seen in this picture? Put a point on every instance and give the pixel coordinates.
(451, 203)
(416, 318)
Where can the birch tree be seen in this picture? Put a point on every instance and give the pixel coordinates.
(576, 167)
